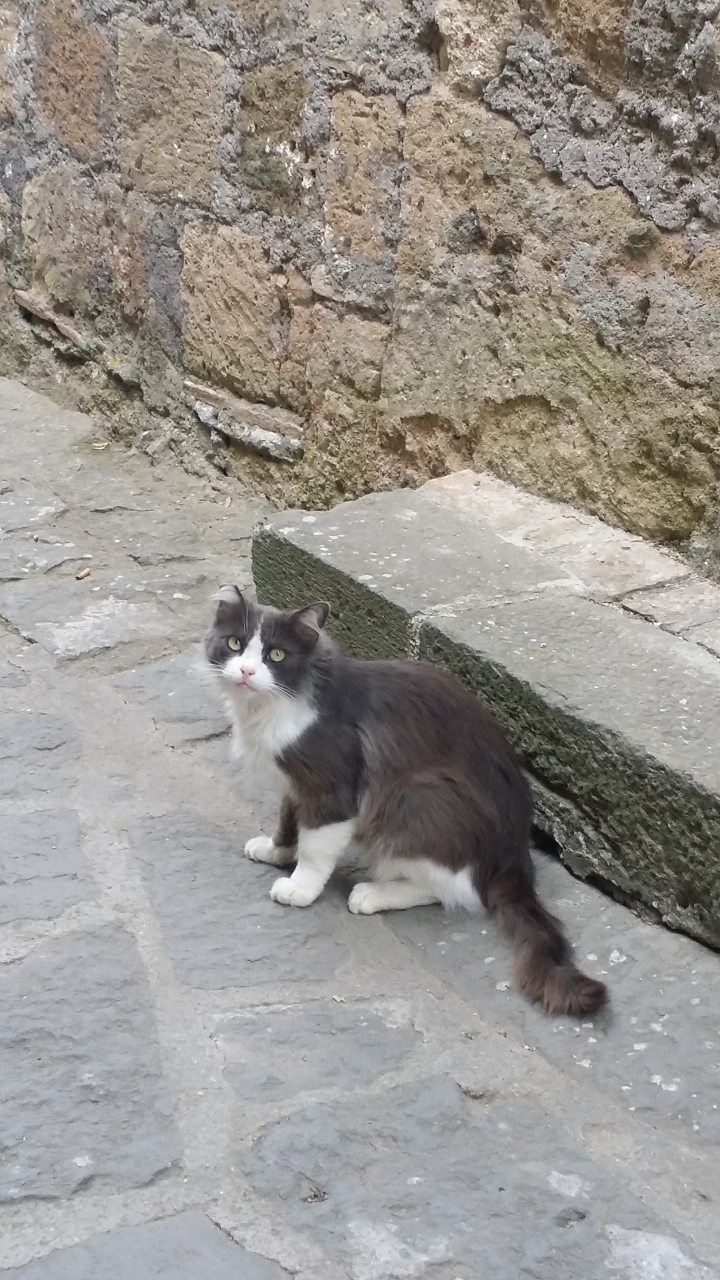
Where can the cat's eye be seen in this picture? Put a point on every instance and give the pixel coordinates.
(277, 655)
(234, 643)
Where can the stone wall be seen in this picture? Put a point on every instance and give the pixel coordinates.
(336, 245)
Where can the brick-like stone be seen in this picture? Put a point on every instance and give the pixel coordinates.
(233, 320)
(42, 868)
(423, 1181)
(346, 356)
(38, 752)
(9, 25)
(275, 1054)
(181, 1246)
(596, 37)
(363, 171)
(268, 119)
(72, 76)
(475, 38)
(68, 226)
(234, 936)
(84, 1093)
(171, 104)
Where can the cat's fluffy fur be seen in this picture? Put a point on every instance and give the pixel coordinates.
(400, 760)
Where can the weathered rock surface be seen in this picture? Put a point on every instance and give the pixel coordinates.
(470, 233)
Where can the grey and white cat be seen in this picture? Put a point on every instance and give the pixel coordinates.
(400, 760)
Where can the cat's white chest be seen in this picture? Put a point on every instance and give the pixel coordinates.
(264, 727)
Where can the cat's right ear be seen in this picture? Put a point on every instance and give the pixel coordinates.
(229, 595)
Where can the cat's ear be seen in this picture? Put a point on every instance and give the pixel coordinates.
(313, 615)
(229, 595)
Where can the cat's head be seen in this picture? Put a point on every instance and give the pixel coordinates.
(261, 650)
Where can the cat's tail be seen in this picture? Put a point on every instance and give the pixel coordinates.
(543, 965)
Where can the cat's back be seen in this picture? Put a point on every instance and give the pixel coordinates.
(421, 702)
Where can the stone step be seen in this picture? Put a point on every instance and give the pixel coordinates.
(613, 707)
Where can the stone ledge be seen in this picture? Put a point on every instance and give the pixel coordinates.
(614, 716)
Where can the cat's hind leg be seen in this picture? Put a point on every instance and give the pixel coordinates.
(389, 895)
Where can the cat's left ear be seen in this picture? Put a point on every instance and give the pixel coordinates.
(313, 615)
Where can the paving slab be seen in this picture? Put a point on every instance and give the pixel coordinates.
(83, 1092)
(22, 506)
(20, 555)
(219, 925)
(277, 1053)
(71, 620)
(656, 1051)
(437, 1157)
(38, 752)
(42, 867)
(186, 1247)
(178, 696)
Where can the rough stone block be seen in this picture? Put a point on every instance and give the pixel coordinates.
(275, 1054)
(71, 76)
(620, 719)
(692, 603)
(72, 234)
(233, 321)
(362, 172)
(268, 119)
(184, 1247)
(424, 1181)
(9, 23)
(82, 1083)
(475, 39)
(37, 753)
(345, 357)
(176, 695)
(605, 562)
(362, 557)
(234, 936)
(171, 104)
(42, 868)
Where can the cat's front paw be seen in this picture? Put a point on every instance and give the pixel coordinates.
(291, 895)
(263, 849)
(364, 900)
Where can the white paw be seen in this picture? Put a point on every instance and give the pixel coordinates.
(364, 900)
(291, 895)
(262, 849)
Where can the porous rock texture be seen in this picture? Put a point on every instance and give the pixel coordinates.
(475, 233)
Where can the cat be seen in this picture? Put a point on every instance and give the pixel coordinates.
(402, 761)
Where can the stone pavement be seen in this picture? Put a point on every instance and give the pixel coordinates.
(196, 1082)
